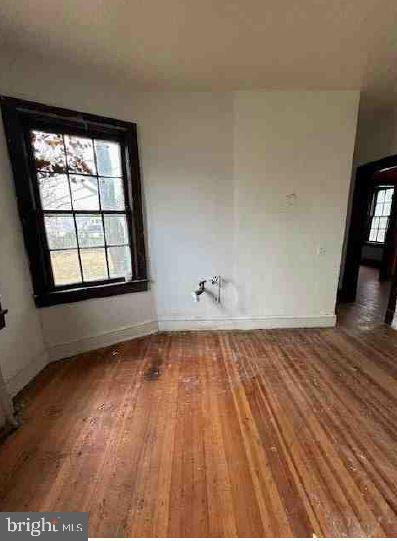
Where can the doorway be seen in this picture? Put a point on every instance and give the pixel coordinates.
(368, 291)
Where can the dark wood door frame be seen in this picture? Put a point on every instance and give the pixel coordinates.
(2, 317)
(362, 195)
(385, 270)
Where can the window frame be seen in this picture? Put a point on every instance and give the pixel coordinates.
(20, 117)
(375, 194)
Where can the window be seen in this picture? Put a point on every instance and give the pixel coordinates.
(380, 212)
(78, 188)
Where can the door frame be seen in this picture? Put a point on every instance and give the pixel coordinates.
(362, 195)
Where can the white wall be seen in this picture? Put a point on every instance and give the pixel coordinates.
(22, 349)
(252, 186)
(297, 143)
(187, 156)
(67, 329)
(249, 185)
(82, 326)
(376, 135)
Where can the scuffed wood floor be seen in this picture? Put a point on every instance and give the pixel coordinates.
(261, 433)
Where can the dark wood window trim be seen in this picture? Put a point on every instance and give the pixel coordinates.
(19, 117)
(2, 317)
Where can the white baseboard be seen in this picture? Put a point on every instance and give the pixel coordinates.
(60, 351)
(68, 349)
(241, 323)
(82, 345)
(18, 381)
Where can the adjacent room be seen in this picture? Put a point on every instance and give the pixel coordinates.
(367, 294)
(198, 247)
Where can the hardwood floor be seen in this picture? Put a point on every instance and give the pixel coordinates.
(261, 433)
(369, 309)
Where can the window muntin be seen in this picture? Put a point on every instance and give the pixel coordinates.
(82, 198)
(380, 213)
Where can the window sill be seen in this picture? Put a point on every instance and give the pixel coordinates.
(95, 292)
(373, 243)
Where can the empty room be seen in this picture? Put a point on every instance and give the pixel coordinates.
(198, 268)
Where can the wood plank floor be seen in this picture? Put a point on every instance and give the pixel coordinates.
(369, 309)
(261, 433)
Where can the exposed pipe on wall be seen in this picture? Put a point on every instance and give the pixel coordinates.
(215, 281)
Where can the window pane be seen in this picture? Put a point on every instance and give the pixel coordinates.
(54, 192)
(375, 222)
(65, 267)
(60, 232)
(389, 195)
(93, 261)
(84, 192)
(116, 229)
(108, 158)
(383, 222)
(379, 209)
(381, 196)
(386, 209)
(119, 262)
(48, 151)
(381, 235)
(80, 155)
(89, 230)
(112, 193)
(372, 235)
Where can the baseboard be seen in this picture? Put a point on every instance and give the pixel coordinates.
(68, 349)
(18, 381)
(241, 323)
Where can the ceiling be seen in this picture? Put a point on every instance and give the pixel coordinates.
(213, 44)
